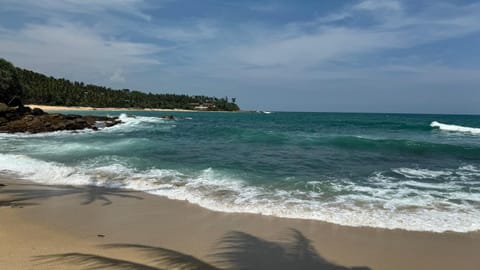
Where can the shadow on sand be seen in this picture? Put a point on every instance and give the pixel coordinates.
(236, 250)
(20, 195)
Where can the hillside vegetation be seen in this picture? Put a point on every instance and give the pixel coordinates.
(36, 88)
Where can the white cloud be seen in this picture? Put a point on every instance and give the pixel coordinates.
(310, 44)
(373, 5)
(312, 49)
(117, 76)
(197, 31)
(74, 51)
(90, 7)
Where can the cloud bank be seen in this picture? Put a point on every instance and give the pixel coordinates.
(255, 50)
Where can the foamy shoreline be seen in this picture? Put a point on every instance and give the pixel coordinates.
(67, 223)
(51, 173)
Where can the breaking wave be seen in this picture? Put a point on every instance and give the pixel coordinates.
(455, 128)
(420, 203)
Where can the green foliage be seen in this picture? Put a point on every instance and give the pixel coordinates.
(40, 89)
(9, 84)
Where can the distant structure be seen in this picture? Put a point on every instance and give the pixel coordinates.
(203, 106)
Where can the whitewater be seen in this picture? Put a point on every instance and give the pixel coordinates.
(455, 128)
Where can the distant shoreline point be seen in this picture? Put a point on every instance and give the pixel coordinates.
(83, 108)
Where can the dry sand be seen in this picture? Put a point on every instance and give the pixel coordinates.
(61, 227)
(79, 108)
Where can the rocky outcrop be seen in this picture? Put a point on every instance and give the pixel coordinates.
(24, 119)
(14, 117)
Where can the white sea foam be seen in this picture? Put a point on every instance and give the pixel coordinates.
(135, 123)
(6, 136)
(135, 120)
(455, 128)
(421, 173)
(379, 202)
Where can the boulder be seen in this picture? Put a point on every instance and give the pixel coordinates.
(37, 111)
(24, 110)
(23, 119)
(168, 117)
(4, 108)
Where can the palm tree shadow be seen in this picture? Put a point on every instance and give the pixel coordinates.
(30, 194)
(91, 261)
(236, 250)
(239, 250)
(92, 194)
(168, 258)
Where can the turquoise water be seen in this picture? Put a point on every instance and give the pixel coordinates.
(414, 172)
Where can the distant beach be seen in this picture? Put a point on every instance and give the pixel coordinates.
(80, 108)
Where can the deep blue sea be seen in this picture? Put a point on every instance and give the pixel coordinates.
(414, 172)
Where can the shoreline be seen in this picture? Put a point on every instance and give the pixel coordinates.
(44, 220)
(81, 108)
(50, 108)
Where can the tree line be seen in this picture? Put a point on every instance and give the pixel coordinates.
(43, 90)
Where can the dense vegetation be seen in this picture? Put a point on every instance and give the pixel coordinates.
(44, 90)
(10, 87)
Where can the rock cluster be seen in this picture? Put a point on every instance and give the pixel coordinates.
(24, 119)
(168, 117)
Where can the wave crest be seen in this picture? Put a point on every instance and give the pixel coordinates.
(455, 128)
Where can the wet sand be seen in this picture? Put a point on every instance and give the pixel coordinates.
(73, 227)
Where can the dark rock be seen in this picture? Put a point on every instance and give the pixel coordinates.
(112, 122)
(100, 235)
(71, 116)
(37, 111)
(168, 117)
(24, 110)
(23, 119)
(4, 107)
(15, 102)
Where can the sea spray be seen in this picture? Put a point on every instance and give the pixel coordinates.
(455, 128)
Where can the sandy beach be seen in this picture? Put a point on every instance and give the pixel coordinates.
(81, 227)
(80, 108)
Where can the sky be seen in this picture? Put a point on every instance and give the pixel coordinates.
(346, 56)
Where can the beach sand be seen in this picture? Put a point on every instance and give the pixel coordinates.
(79, 108)
(73, 227)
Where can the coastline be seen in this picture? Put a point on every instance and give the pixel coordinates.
(80, 108)
(70, 221)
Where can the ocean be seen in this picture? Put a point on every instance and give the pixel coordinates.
(394, 171)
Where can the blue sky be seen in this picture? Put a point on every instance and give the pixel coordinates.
(368, 56)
